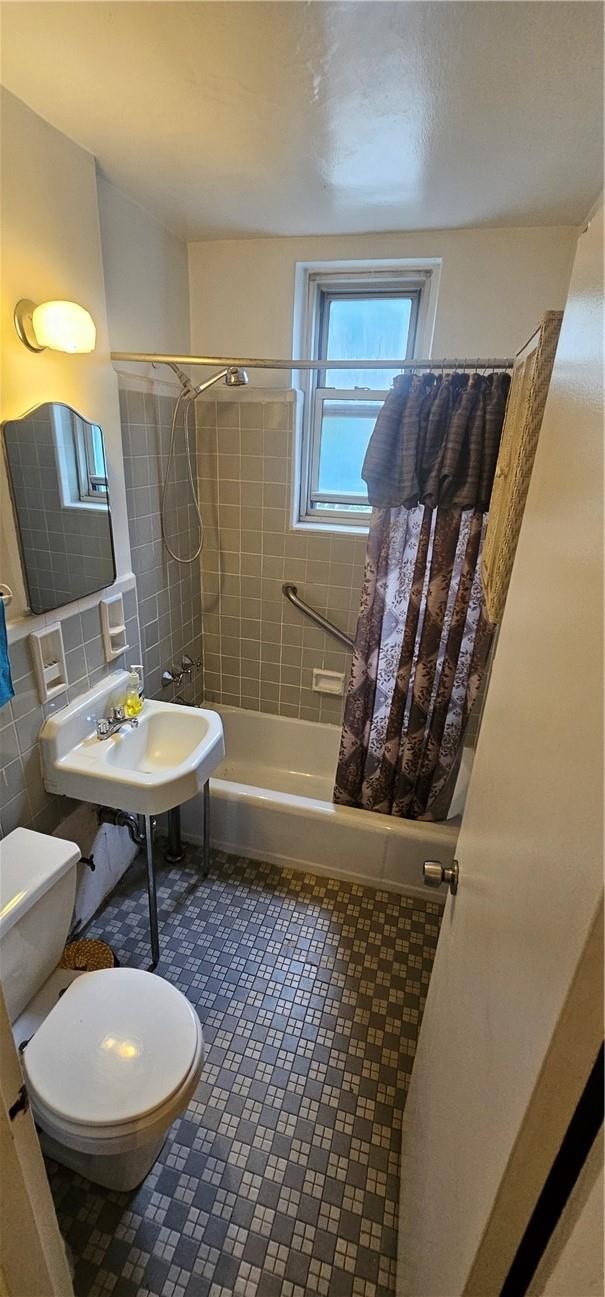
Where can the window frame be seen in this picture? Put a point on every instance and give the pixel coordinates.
(322, 287)
(76, 462)
(90, 482)
(315, 496)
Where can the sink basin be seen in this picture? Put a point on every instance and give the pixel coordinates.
(160, 764)
(162, 741)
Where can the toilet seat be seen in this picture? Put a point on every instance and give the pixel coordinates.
(118, 1056)
(106, 1139)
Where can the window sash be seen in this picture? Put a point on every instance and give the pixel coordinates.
(342, 398)
(92, 484)
(324, 290)
(325, 299)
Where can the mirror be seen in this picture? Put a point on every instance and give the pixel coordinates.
(58, 475)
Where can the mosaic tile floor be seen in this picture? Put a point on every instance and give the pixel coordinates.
(281, 1178)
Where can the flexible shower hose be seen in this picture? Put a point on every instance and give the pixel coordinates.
(182, 397)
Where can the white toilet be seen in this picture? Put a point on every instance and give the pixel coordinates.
(112, 1057)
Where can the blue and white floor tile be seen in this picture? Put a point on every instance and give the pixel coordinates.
(281, 1178)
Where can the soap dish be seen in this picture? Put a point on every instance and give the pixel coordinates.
(113, 626)
(48, 655)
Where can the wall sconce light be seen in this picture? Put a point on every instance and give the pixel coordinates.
(62, 326)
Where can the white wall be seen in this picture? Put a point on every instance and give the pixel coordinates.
(51, 248)
(514, 1010)
(495, 285)
(146, 277)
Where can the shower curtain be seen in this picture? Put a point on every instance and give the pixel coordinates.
(422, 637)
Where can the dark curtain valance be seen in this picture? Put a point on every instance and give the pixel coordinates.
(436, 441)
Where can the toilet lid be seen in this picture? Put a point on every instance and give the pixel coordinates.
(116, 1045)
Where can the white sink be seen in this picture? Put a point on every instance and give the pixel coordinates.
(153, 768)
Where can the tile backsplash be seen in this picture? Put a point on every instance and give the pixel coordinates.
(170, 604)
(259, 651)
(24, 800)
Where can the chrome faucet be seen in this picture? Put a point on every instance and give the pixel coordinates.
(109, 725)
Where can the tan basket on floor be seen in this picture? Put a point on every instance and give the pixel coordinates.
(87, 956)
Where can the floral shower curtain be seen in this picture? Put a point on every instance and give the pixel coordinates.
(422, 637)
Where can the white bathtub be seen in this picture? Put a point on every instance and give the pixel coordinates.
(271, 799)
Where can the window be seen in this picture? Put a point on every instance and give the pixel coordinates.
(80, 460)
(361, 315)
(90, 457)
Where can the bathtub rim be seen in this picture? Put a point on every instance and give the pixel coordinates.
(259, 800)
(394, 823)
(427, 839)
(373, 821)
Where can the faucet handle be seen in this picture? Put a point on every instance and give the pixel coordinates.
(188, 666)
(102, 728)
(118, 714)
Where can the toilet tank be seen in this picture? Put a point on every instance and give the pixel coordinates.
(37, 893)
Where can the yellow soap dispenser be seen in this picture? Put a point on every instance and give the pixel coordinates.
(133, 702)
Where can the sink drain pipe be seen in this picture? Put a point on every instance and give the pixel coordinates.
(124, 820)
(136, 830)
(174, 849)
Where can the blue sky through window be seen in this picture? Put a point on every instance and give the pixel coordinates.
(354, 326)
(344, 440)
(366, 327)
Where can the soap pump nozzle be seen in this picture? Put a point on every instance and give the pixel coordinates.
(133, 703)
(138, 670)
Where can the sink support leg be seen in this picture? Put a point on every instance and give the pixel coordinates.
(206, 840)
(151, 893)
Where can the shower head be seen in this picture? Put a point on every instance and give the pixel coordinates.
(236, 377)
(233, 377)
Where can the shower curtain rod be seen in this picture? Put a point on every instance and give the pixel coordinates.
(223, 362)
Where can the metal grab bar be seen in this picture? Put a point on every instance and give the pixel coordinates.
(290, 592)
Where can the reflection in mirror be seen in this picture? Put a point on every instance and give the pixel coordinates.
(58, 474)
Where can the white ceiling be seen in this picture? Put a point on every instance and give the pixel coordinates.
(230, 119)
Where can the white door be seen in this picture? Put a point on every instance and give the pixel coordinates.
(32, 1254)
(513, 1018)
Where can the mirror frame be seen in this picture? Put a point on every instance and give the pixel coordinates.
(17, 525)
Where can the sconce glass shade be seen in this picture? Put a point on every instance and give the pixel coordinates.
(62, 326)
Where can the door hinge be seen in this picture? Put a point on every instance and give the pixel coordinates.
(21, 1103)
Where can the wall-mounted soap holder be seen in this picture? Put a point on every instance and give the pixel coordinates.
(328, 682)
(113, 626)
(48, 655)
